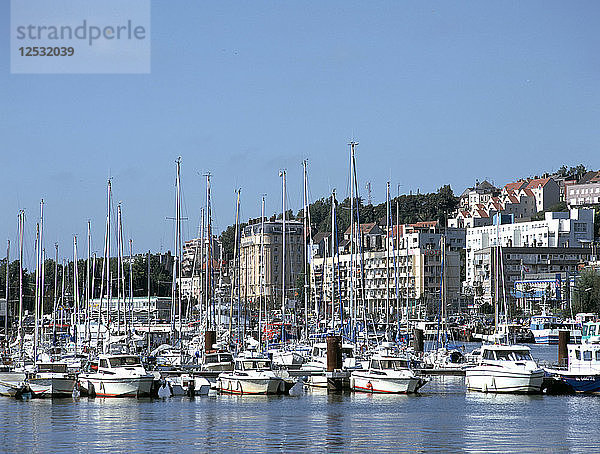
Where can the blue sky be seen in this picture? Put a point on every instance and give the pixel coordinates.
(435, 92)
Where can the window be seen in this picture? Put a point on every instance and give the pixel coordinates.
(577, 354)
(592, 330)
(597, 355)
(587, 355)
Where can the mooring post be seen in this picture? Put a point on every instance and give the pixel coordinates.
(418, 340)
(563, 353)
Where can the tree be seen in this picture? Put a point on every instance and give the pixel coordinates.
(587, 291)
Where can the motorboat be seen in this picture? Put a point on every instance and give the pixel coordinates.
(116, 376)
(51, 379)
(505, 369)
(251, 375)
(387, 373)
(188, 385)
(11, 383)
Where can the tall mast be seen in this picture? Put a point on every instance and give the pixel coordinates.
(21, 228)
(282, 174)
(55, 305)
(261, 268)
(41, 265)
(351, 306)
(75, 290)
(387, 261)
(119, 268)
(7, 289)
(130, 285)
(210, 315)
(333, 252)
(175, 295)
(36, 308)
(233, 268)
(306, 232)
(87, 281)
(201, 298)
(149, 317)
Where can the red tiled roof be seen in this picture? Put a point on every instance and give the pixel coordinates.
(515, 186)
(365, 228)
(538, 182)
(529, 192)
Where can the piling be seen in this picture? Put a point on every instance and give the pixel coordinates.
(563, 353)
(335, 380)
(418, 340)
(210, 338)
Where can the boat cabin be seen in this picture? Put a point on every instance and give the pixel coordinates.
(389, 363)
(591, 332)
(247, 364)
(512, 353)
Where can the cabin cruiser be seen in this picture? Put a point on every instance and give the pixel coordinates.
(505, 369)
(116, 376)
(51, 379)
(188, 385)
(217, 361)
(387, 373)
(545, 329)
(251, 375)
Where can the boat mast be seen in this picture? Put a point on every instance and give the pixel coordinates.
(7, 290)
(387, 262)
(234, 273)
(261, 298)
(352, 181)
(21, 228)
(282, 174)
(119, 268)
(305, 245)
(149, 316)
(75, 291)
(333, 251)
(36, 308)
(209, 307)
(87, 282)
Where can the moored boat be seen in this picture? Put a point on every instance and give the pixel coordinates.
(117, 376)
(505, 369)
(251, 376)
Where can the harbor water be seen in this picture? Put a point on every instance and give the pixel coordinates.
(444, 417)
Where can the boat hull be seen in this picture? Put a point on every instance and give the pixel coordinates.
(117, 387)
(502, 380)
(11, 383)
(393, 385)
(52, 386)
(239, 385)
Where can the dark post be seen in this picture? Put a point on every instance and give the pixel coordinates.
(418, 340)
(563, 340)
(334, 353)
(210, 338)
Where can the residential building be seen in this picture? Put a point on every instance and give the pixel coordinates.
(511, 271)
(586, 192)
(251, 268)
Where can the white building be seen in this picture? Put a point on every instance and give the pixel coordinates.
(574, 229)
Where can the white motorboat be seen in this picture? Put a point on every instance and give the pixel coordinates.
(582, 373)
(505, 369)
(117, 376)
(217, 361)
(251, 376)
(11, 383)
(546, 328)
(188, 385)
(51, 379)
(386, 374)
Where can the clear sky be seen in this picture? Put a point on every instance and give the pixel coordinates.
(435, 92)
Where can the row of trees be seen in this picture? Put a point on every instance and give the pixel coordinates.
(160, 279)
(412, 208)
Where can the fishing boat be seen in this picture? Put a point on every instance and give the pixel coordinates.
(505, 369)
(582, 373)
(117, 376)
(251, 376)
(387, 373)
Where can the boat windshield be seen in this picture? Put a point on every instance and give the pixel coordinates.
(121, 361)
(250, 365)
(395, 364)
(515, 355)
